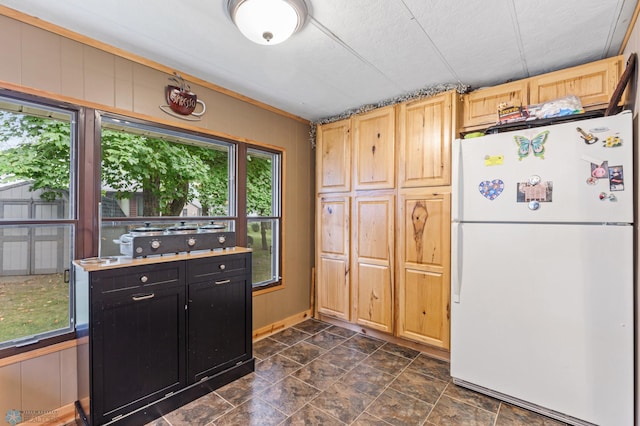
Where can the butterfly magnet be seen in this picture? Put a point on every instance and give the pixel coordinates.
(534, 145)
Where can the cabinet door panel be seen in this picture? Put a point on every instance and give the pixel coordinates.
(374, 149)
(425, 303)
(481, 106)
(424, 259)
(333, 157)
(218, 327)
(426, 232)
(375, 297)
(425, 142)
(332, 262)
(333, 225)
(333, 288)
(138, 349)
(373, 263)
(593, 83)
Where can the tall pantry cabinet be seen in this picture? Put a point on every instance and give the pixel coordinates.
(382, 228)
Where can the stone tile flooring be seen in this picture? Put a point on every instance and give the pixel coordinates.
(319, 374)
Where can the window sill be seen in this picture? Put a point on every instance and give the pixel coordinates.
(58, 343)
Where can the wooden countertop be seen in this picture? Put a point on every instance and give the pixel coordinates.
(91, 265)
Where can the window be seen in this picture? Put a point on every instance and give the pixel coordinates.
(263, 215)
(37, 220)
(162, 177)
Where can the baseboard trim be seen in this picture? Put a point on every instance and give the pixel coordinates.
(60, 416)
(433, 351)
(270, 329)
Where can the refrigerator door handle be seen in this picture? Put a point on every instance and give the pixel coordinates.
(456, 180)
(456, 261)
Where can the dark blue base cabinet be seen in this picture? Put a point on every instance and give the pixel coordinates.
(160, 334)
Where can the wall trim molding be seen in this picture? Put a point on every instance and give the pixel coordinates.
(56, 347)
(72, 35)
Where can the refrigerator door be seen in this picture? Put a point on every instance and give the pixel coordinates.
(579, 171)
(545, 315)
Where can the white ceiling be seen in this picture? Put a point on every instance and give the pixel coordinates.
(353, 52)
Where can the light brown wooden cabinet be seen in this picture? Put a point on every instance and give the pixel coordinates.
(373, 261)
(374, 149)
(333, 248)
(425, 136)
(594, 83)
(480, 107)
(424, 263)
(333, 157)
(358, 282)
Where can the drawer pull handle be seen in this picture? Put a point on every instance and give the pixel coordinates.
(144, 278)
(143, 297)
(222, 267)
(222, 282)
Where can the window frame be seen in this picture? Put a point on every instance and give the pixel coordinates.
(276, 214)
(85, 174)
(197, 139)
(72, 220)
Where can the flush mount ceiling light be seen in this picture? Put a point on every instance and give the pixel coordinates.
(267, 21)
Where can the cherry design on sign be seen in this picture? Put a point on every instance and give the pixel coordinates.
(491, 189)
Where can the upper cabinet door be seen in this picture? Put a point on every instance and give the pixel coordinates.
(593, 83)
(333, 157)
(425, 141)
(481, 106)
(374, 149)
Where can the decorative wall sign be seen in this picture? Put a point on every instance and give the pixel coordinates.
(181, 101)
(535, 145)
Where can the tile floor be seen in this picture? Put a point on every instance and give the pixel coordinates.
(319, 374)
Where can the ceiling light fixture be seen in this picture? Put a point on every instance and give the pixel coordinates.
(267, 21)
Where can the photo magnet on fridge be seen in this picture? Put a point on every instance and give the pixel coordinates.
(616, 178)
(541, 192)
(600, 171)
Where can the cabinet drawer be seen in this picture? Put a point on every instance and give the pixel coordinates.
(139, 277)
(211, 268)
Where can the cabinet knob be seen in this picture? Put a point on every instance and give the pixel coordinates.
(222, 267)
(144, 278)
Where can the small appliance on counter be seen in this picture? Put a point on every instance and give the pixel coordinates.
(184, 238)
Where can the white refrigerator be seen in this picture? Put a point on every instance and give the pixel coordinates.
(542, 269)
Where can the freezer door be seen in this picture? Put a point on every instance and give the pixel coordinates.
(545, 315)
(547, 174)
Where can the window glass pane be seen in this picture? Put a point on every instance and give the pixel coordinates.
(261, 178)
(35, 162)
(34, 281)
(260, 237)
(36, 191)
(153, 172)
